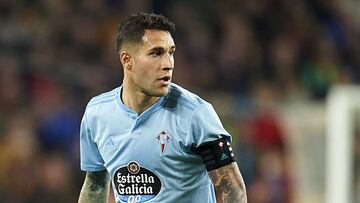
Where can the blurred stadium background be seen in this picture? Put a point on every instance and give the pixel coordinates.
(267, 66)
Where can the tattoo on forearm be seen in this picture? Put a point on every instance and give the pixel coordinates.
(229, 184)
(95, 188)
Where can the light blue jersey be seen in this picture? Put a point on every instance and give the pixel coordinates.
(150, 157)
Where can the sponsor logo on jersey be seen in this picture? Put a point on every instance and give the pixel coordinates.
(163, 138)
(136, 184)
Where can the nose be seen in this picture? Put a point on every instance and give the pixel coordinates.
(167, 62)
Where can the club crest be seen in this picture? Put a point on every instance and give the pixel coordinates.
(163, 138)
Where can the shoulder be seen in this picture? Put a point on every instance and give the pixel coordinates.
(182, 98)
(103, 98)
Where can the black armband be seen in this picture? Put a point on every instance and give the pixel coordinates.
(216, 154)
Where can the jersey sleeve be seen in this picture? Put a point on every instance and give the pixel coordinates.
(90, 158)
(205, 126)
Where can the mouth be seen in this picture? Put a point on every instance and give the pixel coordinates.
(165, 80)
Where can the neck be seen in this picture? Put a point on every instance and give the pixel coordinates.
(136, 100)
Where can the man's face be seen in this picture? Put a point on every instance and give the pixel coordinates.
(153, 63)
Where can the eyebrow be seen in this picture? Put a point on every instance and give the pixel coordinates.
(161, 49)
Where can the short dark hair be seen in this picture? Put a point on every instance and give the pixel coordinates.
(132, 29)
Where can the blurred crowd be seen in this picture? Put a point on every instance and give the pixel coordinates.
(247, 57)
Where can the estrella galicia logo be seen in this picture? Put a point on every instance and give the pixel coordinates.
(135, 184)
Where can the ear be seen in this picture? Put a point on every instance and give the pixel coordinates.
(125, 59)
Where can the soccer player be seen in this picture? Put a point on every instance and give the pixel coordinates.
(151, 139)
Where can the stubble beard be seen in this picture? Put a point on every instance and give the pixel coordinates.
(157, 92)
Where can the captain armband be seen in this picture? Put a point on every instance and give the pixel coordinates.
(216, 154)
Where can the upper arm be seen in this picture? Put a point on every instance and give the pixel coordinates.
(229, 184)
(90, 157)
(212, 142)
(95, 188)
(205, 126)
(223, 171)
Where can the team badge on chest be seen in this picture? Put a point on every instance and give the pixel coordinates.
(163, 138)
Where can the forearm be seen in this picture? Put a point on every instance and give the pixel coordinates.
(95, 188)
(229, 184)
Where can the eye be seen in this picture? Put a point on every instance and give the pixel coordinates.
(156, 53)
(172, 53)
